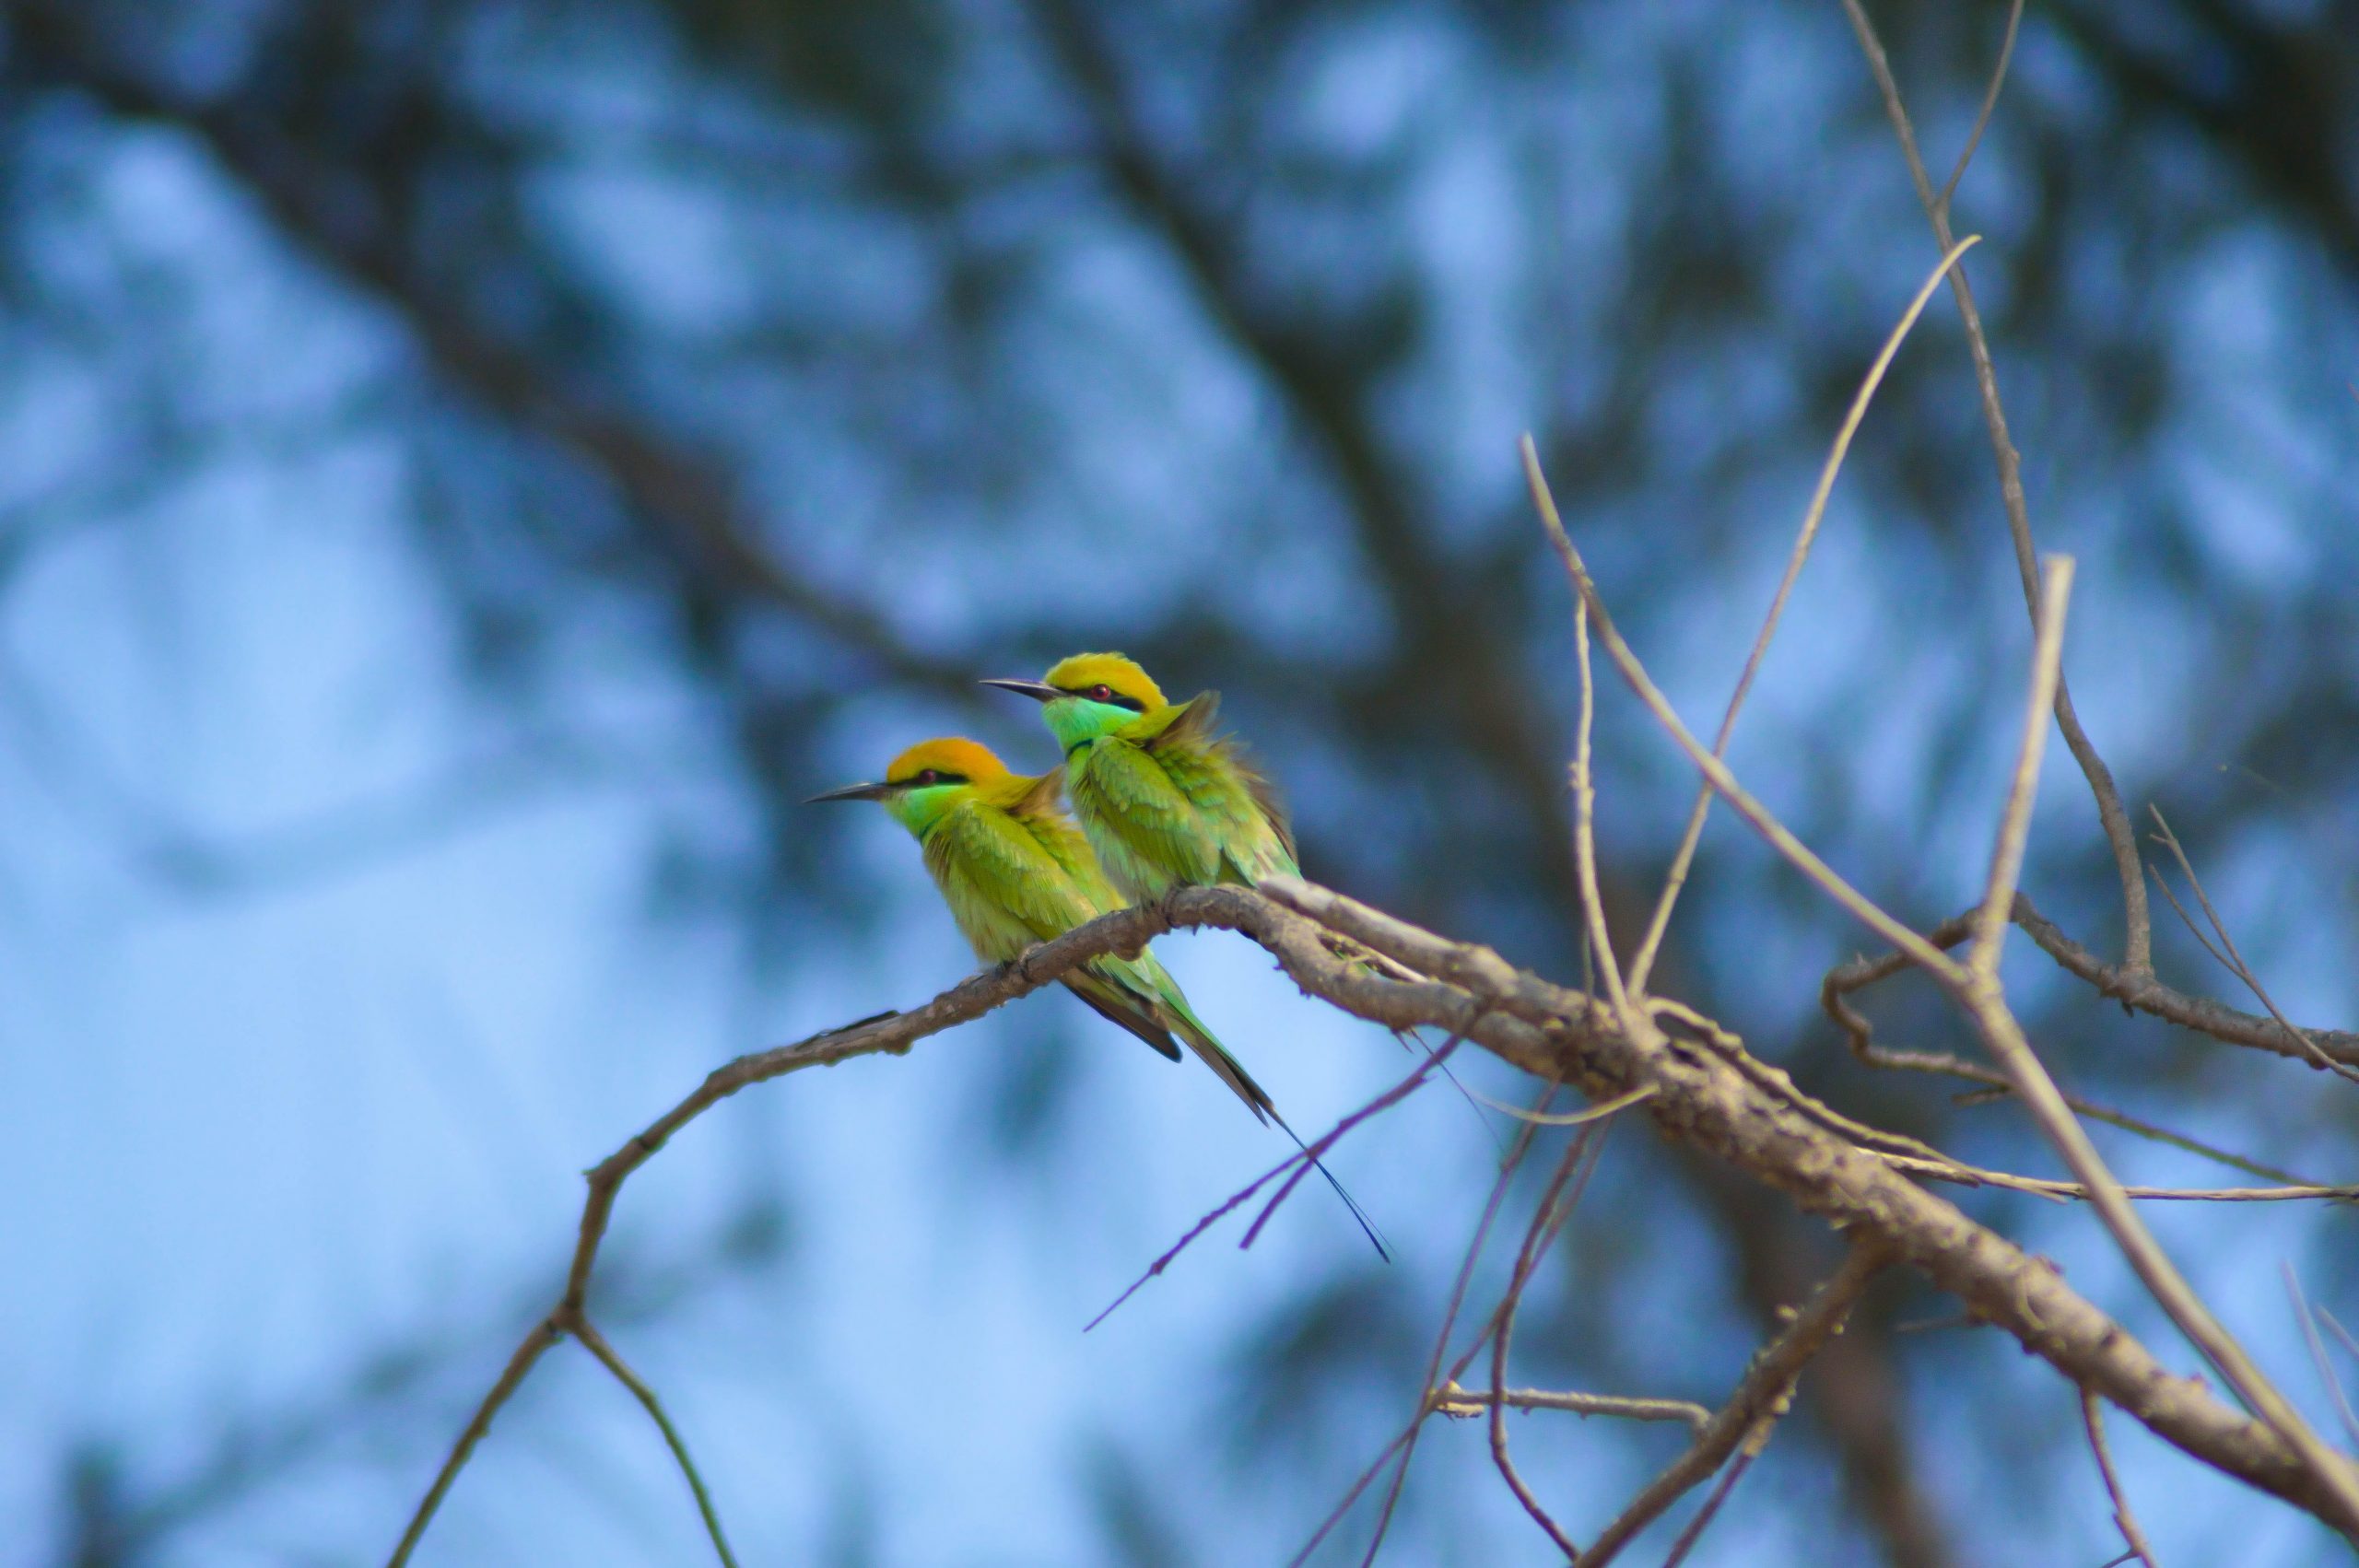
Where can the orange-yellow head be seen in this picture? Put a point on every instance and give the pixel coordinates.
(934, 776)
(1089, 694)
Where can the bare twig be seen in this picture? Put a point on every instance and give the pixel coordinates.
(1577, 1157)
(2138, 937)
(1405, 1440)
(2309, 1322)
(2092, 1418)
(1453, 1400)
(1753, 1406)
(2201, 1014)
(1601, 940)
(2234, 961)
(1730, 1476)
(2015, 823)
(1845, 978)
(1642, 963)
(1975, 1175)
(1989, 103)
(512, 1377)
(595, 1343)
(1569, 1119)
(1310, 1160)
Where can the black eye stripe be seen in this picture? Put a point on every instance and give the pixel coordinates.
(1115, 699)
(931, 776)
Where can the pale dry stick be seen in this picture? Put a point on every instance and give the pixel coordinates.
(1861, 907)
(595, 1343)
(1989, 103)
(2309, 1322)
(1634, 1024)
(1301, 1162)
(1755, 1404)
(2138, 937)
(2014, 822)
(2234, 961)
(1453, 1400)
(1978, 993)
(1642, 963)
(2092, 1418)
(512, 1377)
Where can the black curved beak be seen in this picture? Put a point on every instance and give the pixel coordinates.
(1039, 691)
(853, 792)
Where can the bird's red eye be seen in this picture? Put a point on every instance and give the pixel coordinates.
(928, 777)
(1101, 693)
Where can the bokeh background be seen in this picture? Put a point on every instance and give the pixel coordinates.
(468, 468)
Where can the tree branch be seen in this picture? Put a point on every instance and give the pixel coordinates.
(1699, 1099)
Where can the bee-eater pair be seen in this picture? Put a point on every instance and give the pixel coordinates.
(1163, 800)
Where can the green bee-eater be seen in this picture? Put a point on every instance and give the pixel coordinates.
(1016, 870)
(1164, 797)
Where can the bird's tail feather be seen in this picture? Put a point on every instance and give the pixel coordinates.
(1230, 1072)
(1367, 1227)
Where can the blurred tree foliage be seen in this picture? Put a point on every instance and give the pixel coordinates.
(819, 356)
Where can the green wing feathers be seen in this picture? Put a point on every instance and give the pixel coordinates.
(1145, 828)
(1005, 887)
(1013, 880)
(1181, 796)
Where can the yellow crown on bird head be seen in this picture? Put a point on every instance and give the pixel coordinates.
(1107, 677)
(951, 759)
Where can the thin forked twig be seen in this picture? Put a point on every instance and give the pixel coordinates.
(1859, 1034)
(595, 1343)
(2232, 960)
(1579, 1158)
(1642, 963)
(1754, 1404)
(2092, 1419)
(1311, 1152)
(1305, 1158)
(1405, 1440)
(2138, 936)
(1979, 994)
